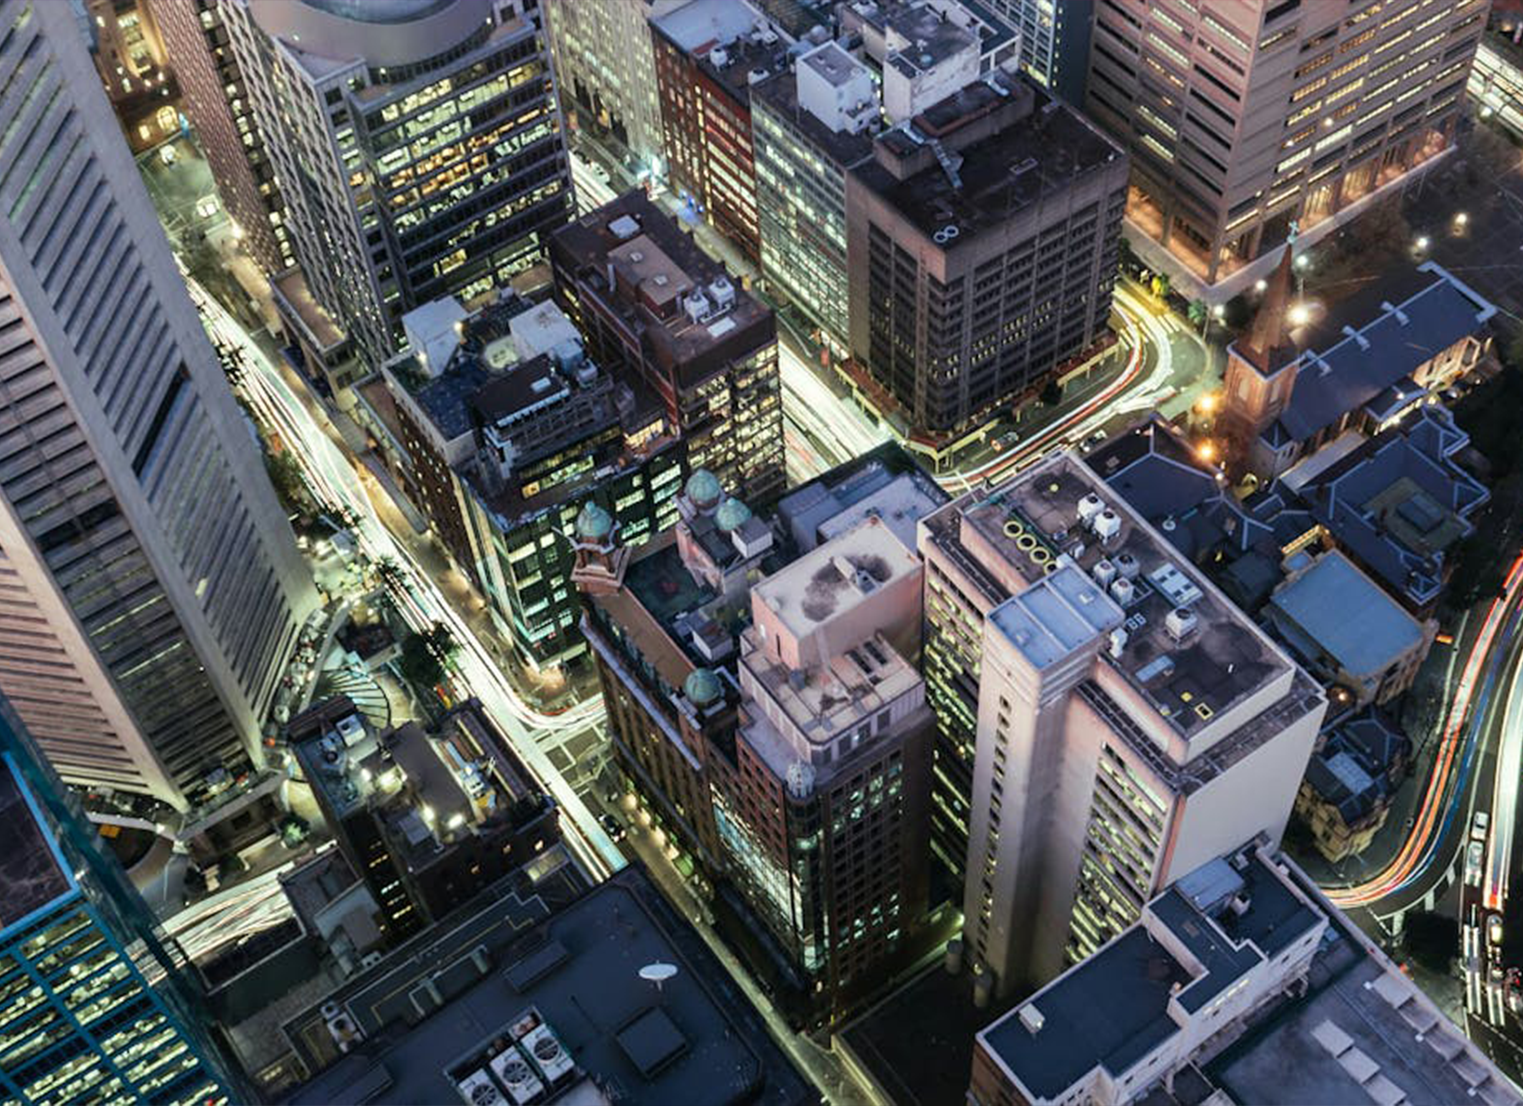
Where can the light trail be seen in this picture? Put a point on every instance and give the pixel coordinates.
(336, 481)
(1436, 803)
(1504, 796)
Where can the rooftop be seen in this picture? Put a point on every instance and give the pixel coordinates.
(779, 95)
(827, 582)
(1332, 609)
(1398, 502)
(1042, 146)
(693, 318)
(886, 483)
(441, 1008)
(1113, 1010)
(1373, 341)
(1189, 677)
(1055, 616)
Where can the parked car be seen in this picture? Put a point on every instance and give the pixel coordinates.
(1494, 931)
(1478, 825)
(1475, 854)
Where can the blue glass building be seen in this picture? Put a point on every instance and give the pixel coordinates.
(93, 1006)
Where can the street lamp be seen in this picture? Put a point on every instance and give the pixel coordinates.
(1422, 243)
(1260, 284)
(1299, 314)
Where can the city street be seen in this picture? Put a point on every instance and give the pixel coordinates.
(334, 477)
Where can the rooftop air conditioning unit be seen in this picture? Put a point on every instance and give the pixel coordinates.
(1123, 591)
(1180, 622)
(697, 307)
(1127, 565)
(1107, 526)
(723, 292)
(1105, 572)
(1090, 506)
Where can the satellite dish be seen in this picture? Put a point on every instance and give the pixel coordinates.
(658, 973)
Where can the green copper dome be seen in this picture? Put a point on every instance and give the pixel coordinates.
(703, 488)
(702, 687)
(732, 515)
(594, 523)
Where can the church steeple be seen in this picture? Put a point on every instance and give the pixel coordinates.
(1267, 344)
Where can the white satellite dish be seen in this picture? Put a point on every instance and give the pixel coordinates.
(658, 973)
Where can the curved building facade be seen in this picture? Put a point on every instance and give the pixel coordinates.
(417, 143)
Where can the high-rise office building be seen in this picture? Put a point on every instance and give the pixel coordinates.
(214, 96)
(809, 125)
(605, 71)
(417, 145)
(153, 590)
(654, 306)
(708, 54)
(94, 1005)
(1241, 118)
(773, 712)
(1054, 42)
(981, 240)
(1129, 722)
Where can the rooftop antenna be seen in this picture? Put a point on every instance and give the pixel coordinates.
(658, 973)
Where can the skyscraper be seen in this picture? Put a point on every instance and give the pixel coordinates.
(417, 145)
(1129, 722)
(981, 241)
(93, 1005)
(1243, 117)
(606, 71)
(214, 94)
(152, 590)
(1054, 37)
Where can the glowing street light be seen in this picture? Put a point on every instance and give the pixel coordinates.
(1422, 242)
(1260, 284)
(1219, 312)
(1461, 219)
(1299, 314)
(1206, 451)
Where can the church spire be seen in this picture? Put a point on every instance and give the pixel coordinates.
(1267, 345)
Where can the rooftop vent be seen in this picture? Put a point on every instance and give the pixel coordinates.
(719, 57)
(1090, 506)
(1123, 591)
(1105, 572)
(624, 227)
(1032, 1019)
(1127, 565)
(1107, 526)
(1118, 642)
(1181, 623)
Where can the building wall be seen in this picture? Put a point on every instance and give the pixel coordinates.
(214, 95)
(1245, 117)
(606, 71)
(707, 130)
(134, 497)
(425, 159)
(1054, 42)
(108, 1003)
(955, 332)
(801, 218)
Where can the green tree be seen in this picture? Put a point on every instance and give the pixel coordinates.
(286, 475)
(426, 657)
(1160, 285)
(1198, 313)
(1052, 393)
(1126, 256)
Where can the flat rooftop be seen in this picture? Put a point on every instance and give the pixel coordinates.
(885, 482)
(829, 581)
(1033, 520)
(779, 95)
(1114, 1009)
(696, 1040)
(1044, 148)
(1333, 609)
(604, 243)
